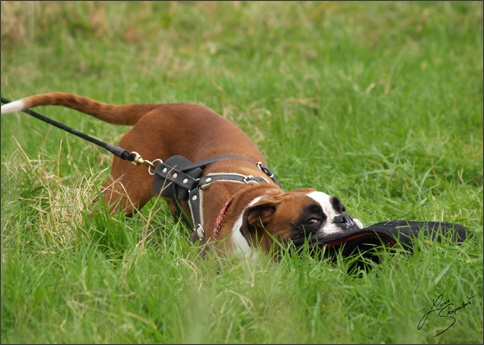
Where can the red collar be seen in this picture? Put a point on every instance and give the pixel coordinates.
(220, 218)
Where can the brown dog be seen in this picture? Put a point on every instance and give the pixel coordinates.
(236, 199)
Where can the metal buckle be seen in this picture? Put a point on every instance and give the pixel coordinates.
(152, 166)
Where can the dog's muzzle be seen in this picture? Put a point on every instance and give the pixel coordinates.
(345, 222)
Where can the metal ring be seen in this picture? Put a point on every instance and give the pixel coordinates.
(149, 168)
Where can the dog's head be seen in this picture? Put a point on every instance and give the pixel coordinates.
(298, 216)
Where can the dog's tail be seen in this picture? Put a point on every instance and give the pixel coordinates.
(127, 114)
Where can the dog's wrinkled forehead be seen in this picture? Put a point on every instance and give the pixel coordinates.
(330, 204)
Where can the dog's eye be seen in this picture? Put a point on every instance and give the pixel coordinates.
(313, 221)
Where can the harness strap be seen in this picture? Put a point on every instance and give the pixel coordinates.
(177, 175)
(196, 195)
(208, 161)
(172, 174)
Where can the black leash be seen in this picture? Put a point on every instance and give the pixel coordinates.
(116, 150)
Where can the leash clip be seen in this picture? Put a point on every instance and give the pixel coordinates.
(138, 160)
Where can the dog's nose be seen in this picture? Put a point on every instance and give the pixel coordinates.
(345, 220)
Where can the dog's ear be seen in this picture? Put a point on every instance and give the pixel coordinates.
(257, 216)
(257, 221)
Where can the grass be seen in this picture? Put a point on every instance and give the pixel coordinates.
(379, 103)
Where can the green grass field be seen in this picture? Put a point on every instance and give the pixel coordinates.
(378, 103)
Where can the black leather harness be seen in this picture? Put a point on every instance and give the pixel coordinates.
(180, 179)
